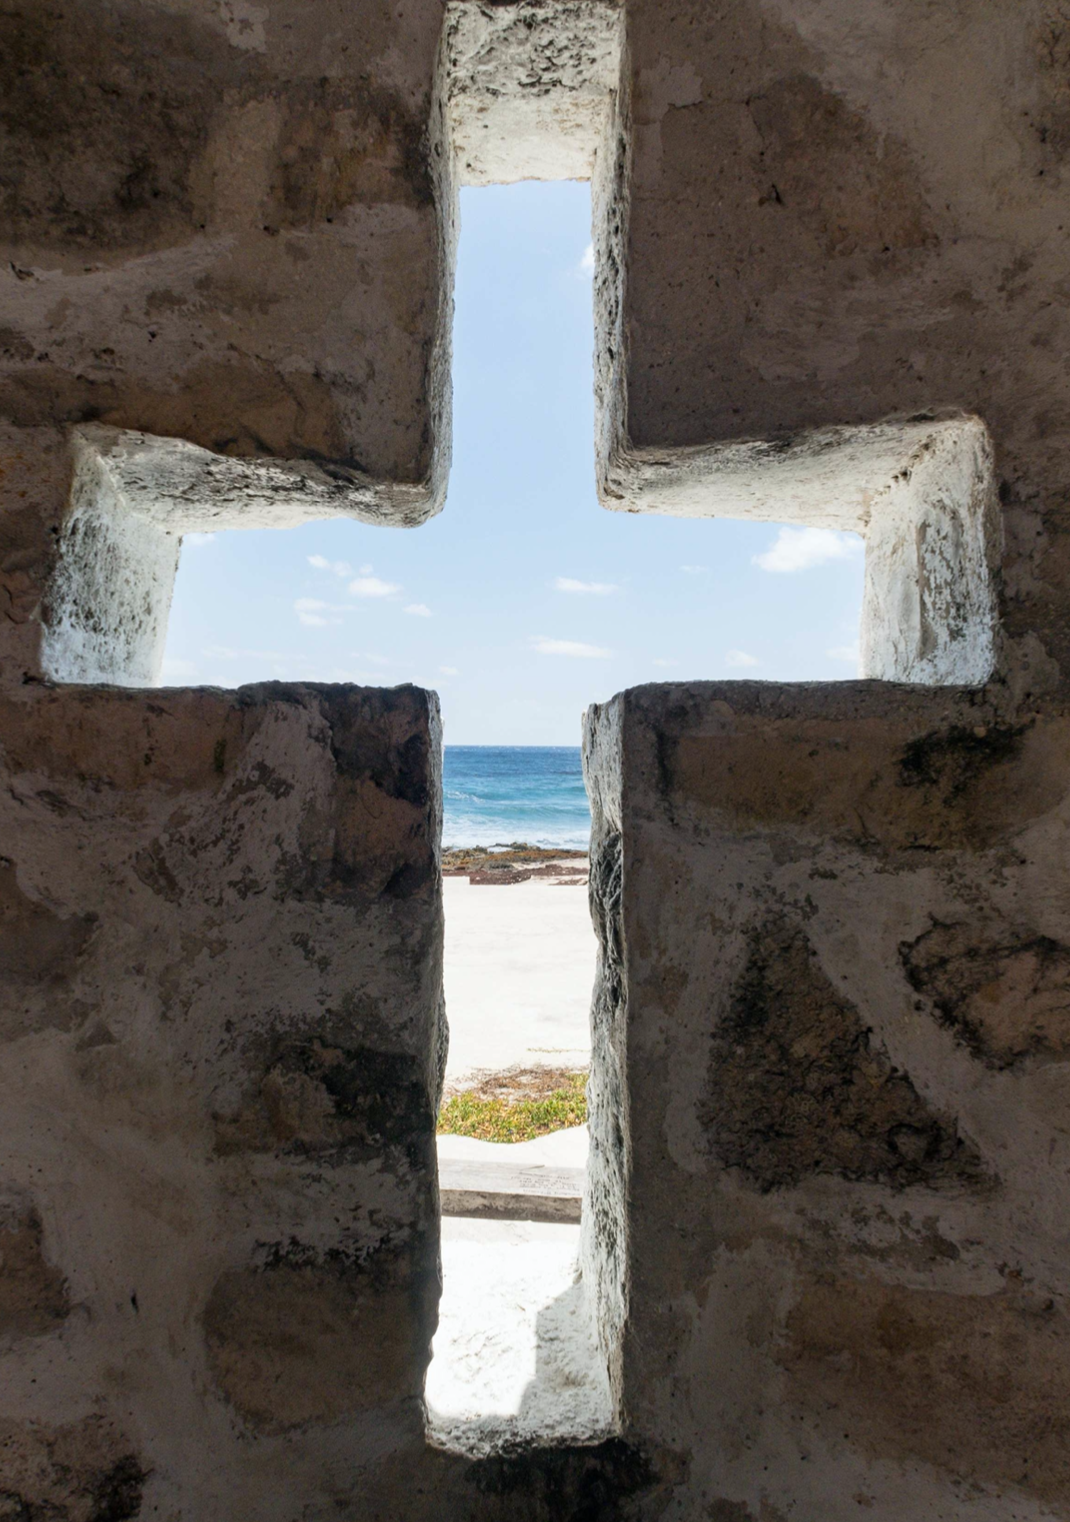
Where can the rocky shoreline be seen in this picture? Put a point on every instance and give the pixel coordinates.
(497, 866)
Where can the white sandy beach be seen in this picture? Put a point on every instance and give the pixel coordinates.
(515, 1351)
(519, 968)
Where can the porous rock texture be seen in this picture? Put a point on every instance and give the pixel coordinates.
(828, 1123)
(824, 233)
(219, 226)
(225, 294)
(839, 215)
(220, 938)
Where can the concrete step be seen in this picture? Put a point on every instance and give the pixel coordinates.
(508, 1191)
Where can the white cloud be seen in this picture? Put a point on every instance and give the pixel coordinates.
(694, 570)
(849, 653)
(194, 541)
(365, 570)
(372, 586)
(598, 588)
(569, 647)
(418, 610)
(339, 567)
(658, 662)
(310, 611)
(800, 549)
(741, 658)
(585, 268)
(177, 670)
(449, 671)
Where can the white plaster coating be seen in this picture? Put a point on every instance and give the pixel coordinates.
(518, 970)
(921, 492)
(106, 610)
(933, 547)
(528, 87)
(827, 478)
(187, 489)
(514, 1358)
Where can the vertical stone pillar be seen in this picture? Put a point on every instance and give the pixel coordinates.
(222, 1032)
(829, 1137)
(36, 471)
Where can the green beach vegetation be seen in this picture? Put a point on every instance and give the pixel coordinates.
(517, 1106)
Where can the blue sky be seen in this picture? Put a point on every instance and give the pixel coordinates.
(524, 600)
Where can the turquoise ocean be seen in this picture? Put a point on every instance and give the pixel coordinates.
(496, 795)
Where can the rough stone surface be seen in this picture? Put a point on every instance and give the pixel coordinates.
(219, 225)
(881, 1356)
(82, 1472)
(190, 309)
(529, 87)
(225, 297)
(220, 929)
(33, 1294)
(825, 1225)
(1006, 994)
(797, 1087)
(822, 230)
(818, 234)
(831, 998)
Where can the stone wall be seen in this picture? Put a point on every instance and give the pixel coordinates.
(826, 231)
(220, 940)
(834, 987)
(825, 1216)
(219, 225)
(227, 235)
(827, 1195)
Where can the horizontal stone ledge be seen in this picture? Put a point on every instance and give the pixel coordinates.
(505, 1192)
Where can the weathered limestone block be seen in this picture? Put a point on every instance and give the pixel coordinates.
(220, 1009)
(819, 234)
(529, 87)
(225, 295)
(221, 224)
(828, 1198)
(825, 235)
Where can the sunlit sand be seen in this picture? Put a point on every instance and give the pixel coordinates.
(519, 968)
